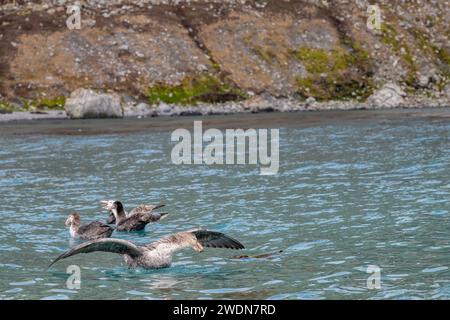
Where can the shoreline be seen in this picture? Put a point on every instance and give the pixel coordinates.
(84, 127)
(255, 106)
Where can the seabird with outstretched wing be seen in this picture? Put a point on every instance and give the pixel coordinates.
(157, 254)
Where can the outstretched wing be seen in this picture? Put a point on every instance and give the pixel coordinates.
(106, 245)
(139, 219)
(215, 239)
(141, 210)
(197, 239)
(145, 208)
(154, 216)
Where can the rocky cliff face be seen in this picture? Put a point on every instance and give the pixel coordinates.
(188, 52)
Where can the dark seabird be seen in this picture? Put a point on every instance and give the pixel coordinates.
(157, 254)
(91, 231)
(137, 219)
(141, 208)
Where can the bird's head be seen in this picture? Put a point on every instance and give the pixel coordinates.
(118, 206)
(112, 205)
(107, 204)
(73, 218)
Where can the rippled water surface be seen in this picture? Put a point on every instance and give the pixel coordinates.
(348, 195)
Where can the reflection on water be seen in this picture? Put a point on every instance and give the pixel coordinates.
(347, 196)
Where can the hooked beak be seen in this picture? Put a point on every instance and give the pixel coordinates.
(107, 204)
(68, 222)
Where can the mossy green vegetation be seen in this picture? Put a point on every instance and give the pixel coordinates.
(320, 60)
(429, 48)
(444, 56)
(361, 57)
(390, 37)
(334, 88)
(26, 105)
(330, 77)
(265, 54)
(205, 88)
(440, 55)
(55, 103)
(6, 107)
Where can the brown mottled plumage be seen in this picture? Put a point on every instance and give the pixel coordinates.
(159, 253)
(91, 231)
(142, 215)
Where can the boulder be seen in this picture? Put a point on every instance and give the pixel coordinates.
(141, 110)
(428, 77)
(86, 103)
(388, 96)
(310, 101)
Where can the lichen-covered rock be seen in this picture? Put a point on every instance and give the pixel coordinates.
(388, 96)
(86, 103)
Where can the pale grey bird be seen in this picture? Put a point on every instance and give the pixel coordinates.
(157, 254)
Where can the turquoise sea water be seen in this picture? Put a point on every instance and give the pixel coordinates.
(348, 195)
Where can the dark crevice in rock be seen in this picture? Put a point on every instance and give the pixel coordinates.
(192, 31)
(193, 34)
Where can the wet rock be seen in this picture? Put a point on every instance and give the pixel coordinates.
(86, 103)
(310, 101)
(388, 96)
